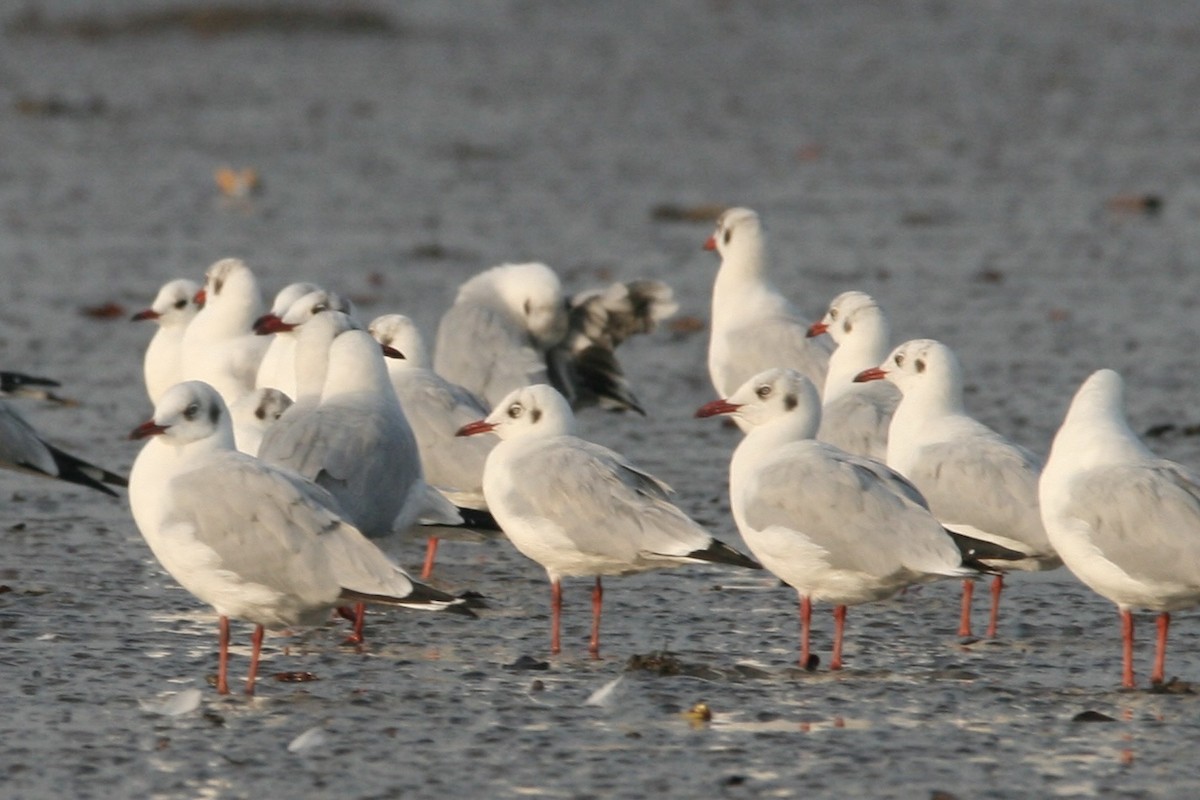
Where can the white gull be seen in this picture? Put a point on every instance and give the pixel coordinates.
(1126, 522)
(977, 482)
(579, 509)
(255, 542)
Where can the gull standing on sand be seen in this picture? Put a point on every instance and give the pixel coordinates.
(173, 308)
(256, 542)
(219, 345)
(976, 481)
(835, 526)
(856, 416)
(754, 328)
(436, 409)
(511, 326)
(1126, 522)
(579, 509)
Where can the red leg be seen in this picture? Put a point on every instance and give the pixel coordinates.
(1127, 643)
(597, 602)
(430, 555)
(223, 658)
(997, 588)
(256, 649)
(839, 627)
(964, 621)
(1160, 654)
(805, 625)
(555, 615)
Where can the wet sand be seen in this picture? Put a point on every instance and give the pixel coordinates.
(980, 168)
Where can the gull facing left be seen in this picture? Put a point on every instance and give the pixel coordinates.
(833, 525)
(256, 542)
(580, 509)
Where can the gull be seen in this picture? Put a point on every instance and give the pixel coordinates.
(754, 327)
(23, 449)
(173, 309)
(20, 384)
(290, 310)
(277, 369)
(835, 526)
(253, 413)
(219, 345)
(346, 431)
(1126, 522)
(856, 416)
(512, 326)
(436, 409)
(579, 509)
(255, 542)
(976, 481)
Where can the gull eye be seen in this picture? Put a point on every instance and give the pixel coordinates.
(763, 391)
(181, 303)
(515, 410)
(319, 307)
(899, 359)
(191, 411)
(833, 312)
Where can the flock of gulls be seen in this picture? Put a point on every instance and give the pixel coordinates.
(286, 442)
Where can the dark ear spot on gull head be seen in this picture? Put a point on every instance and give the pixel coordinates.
(214, 413)
(536, 414)
(789, 401)
(920, 364)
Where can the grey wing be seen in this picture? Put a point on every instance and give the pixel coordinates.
(264, 526)
(1145, 518)
(858, 420)
(21, 448)
(294, 442)
(860, 512)
(775, 341)
(984, 482)
(479, 348)
(436, 410)
(604, 504)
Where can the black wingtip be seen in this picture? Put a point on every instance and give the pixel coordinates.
(77, 471)
(975, 552)
(478, 518)
(720, 553)
(422, 597)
